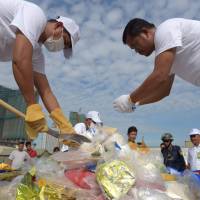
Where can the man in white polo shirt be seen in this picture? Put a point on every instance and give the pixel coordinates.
(176, 43)
(18, 157)
(194, 152)
(23, 30)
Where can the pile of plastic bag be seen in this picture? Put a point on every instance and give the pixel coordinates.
(104, 169)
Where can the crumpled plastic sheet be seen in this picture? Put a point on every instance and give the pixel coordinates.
(82, 178)
(147, 194)
(115, 178)
(147, 170)
(8, 189)
(52, 171)
(75, 159)
(29, 188)
(193, 182)
(180, 189)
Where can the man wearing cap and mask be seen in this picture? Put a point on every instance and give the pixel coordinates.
(89, 127)
(194, 152)
(23, 30)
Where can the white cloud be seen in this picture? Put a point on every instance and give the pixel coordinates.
(103, 68)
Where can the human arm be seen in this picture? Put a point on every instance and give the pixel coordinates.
(44, 89)
(158, 84)
(22, 67)
(51, 103)
(10, 158)
(182, 157)
(189, 160)
(9, 162)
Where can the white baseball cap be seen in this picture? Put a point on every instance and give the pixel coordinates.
(194, 131)
(94, 115)
(73, 29)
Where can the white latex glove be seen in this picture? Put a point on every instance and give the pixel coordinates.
(124, 104)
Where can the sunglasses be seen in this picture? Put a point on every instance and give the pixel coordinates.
(192, 136)
(166, 140)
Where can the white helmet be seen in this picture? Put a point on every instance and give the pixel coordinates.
(194, 131)
(94, 115)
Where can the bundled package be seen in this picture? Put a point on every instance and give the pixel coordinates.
(115, 178)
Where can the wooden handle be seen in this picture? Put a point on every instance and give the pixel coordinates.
(11, 109)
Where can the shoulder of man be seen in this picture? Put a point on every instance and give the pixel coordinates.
(178, 148)
(167, 22)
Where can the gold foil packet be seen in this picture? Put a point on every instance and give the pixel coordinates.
(115, 178)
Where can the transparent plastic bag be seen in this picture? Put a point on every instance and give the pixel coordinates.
(74, 159)
(8, 189)
(148, 194)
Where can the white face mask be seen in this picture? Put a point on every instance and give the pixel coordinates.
(92, 125)
(54, 45)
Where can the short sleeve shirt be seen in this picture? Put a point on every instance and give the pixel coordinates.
(30, 20)
(18, 158)
(194, 158)
(80, 128)
(182, 34)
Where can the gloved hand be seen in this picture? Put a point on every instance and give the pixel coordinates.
(124, 104)
(61, 121)
(35, 118)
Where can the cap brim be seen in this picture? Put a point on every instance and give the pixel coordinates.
(68, 53)
(97, 120)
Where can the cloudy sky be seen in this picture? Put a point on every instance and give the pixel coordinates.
(103, 68)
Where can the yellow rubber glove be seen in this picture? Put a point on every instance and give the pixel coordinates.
(61, 121)
(35, 118)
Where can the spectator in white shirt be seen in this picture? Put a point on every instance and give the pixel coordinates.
(18, 157)
(194, 152)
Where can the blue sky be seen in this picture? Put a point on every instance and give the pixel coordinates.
(103, 68)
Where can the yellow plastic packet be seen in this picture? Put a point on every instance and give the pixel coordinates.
(4, 166)
(115, 178)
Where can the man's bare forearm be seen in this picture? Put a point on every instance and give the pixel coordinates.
(22, 67)
(24, 78)
(148, 88)
(162, 92)
(46, 94)
(49, 100)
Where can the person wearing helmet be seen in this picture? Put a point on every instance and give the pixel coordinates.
(194, 152)
(172, 154)
(24, 29)
(89, 127)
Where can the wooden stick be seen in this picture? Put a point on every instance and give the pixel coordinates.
(11, 109)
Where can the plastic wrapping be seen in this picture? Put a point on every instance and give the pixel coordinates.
(75, 159)
(8, 189)
(115, 178)
(193, 182)
(31, 189)
(148, 194)
(180, 189)
(4, 166)
(27, 189)
(8, 176)
(148, 171)
(79, 177)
